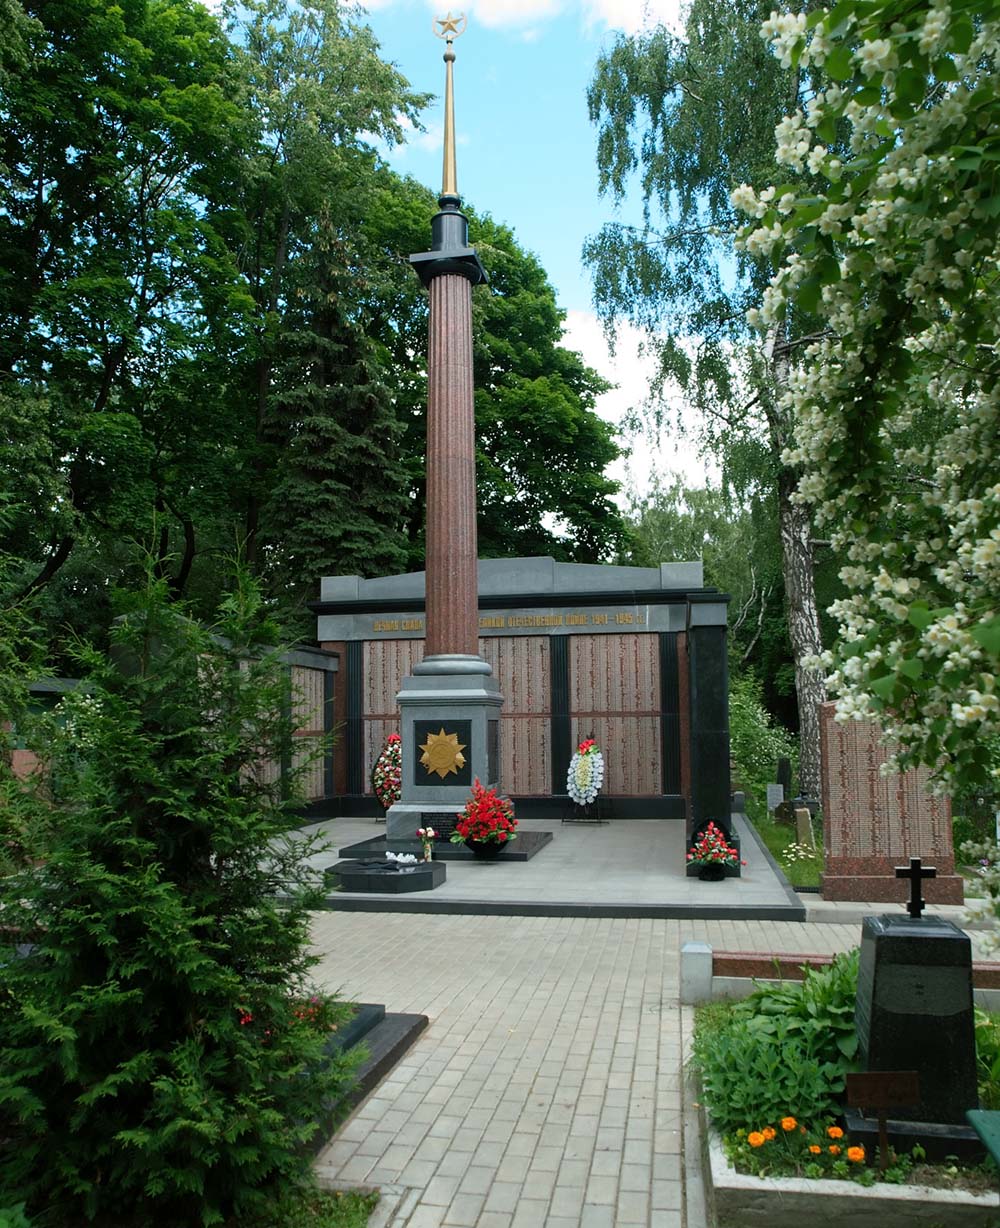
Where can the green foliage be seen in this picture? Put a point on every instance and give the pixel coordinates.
(756, 743)
(157, 1064)
(692, 117)
(784, 1051)
(350, 1209)
(988, 1059)
(210, 335)
(541, 449)
(888, 235)
(14, 1217)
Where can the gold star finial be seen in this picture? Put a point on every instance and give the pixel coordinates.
(449, 27)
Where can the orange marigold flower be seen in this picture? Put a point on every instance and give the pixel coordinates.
(755, 1139)
(769, 1132)
(834, 1150)
(855, 1154)
(814, 1149)
(788, 1123)
(834, 1132)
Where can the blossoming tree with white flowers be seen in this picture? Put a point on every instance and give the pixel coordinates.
(893, 244)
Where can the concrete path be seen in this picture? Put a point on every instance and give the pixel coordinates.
(547, 1091)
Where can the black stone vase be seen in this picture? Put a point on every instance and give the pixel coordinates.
(712, 872)
(487, 850)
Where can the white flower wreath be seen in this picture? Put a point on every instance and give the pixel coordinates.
(586, 773)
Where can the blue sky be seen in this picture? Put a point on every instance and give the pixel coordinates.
(527, 153)
(526, 146)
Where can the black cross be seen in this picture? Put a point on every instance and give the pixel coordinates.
(915, 872)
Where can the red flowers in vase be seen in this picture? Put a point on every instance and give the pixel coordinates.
(486, 818)
(712, 848)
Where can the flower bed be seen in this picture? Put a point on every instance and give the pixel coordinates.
(742, 1200)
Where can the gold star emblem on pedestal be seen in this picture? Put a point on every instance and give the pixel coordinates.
(443, 753)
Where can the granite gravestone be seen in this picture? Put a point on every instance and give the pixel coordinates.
(914, 1012)
(784, 777)
(775, 796)
(871, 821)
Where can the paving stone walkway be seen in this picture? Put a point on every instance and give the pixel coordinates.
(547, 1091)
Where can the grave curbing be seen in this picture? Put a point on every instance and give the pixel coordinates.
(742, 1201)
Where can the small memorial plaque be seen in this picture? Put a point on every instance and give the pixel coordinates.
(443, 822)
(775, 796)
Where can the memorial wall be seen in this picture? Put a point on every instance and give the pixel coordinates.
(635, 657)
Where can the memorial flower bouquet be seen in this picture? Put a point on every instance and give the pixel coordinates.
(713, 849)
(486, 818)
(426, 836)
(586, 773)
(387, 774)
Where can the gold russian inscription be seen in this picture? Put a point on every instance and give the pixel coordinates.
(387, 624)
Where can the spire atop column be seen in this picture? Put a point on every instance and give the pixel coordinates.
(449, 28)
(450, 251)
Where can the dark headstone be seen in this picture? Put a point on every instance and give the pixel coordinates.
(784, 775)
(739, 802)
(784, 813)
(914, 1011)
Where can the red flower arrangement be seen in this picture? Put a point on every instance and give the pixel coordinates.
(713, 849)
(486, 818)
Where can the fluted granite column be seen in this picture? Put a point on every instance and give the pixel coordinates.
(450, 704)
(452, 579)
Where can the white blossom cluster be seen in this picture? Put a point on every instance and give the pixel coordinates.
(895, 246)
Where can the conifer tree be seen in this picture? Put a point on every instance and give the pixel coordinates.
(339, 501)
(161, 1058)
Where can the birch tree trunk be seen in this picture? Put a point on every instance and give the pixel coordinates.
(795, 529)
(795, 532)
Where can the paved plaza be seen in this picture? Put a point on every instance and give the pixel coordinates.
(547, 1091)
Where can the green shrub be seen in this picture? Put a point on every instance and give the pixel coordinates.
(783, 1051)
(156, 1062)
(14, 1217)
(756, 743)
(988, 1059)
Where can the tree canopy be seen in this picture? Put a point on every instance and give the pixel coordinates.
(210, 337)
(682, 121)
(893, 242)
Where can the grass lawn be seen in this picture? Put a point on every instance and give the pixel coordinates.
(317, 1209)
(800, 869)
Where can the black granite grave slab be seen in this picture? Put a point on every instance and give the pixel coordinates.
(386, 1038)
(526, 846)
(378, 875)
(914, 1012)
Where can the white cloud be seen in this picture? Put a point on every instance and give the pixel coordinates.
(631, 16)
(632, 372)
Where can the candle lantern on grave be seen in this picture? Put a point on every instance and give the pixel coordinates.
(450, 704)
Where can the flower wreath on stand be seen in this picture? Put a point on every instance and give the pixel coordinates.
(387, 774)
(586, 773)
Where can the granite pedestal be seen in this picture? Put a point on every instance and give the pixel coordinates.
(450, 699)
(383, 876)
